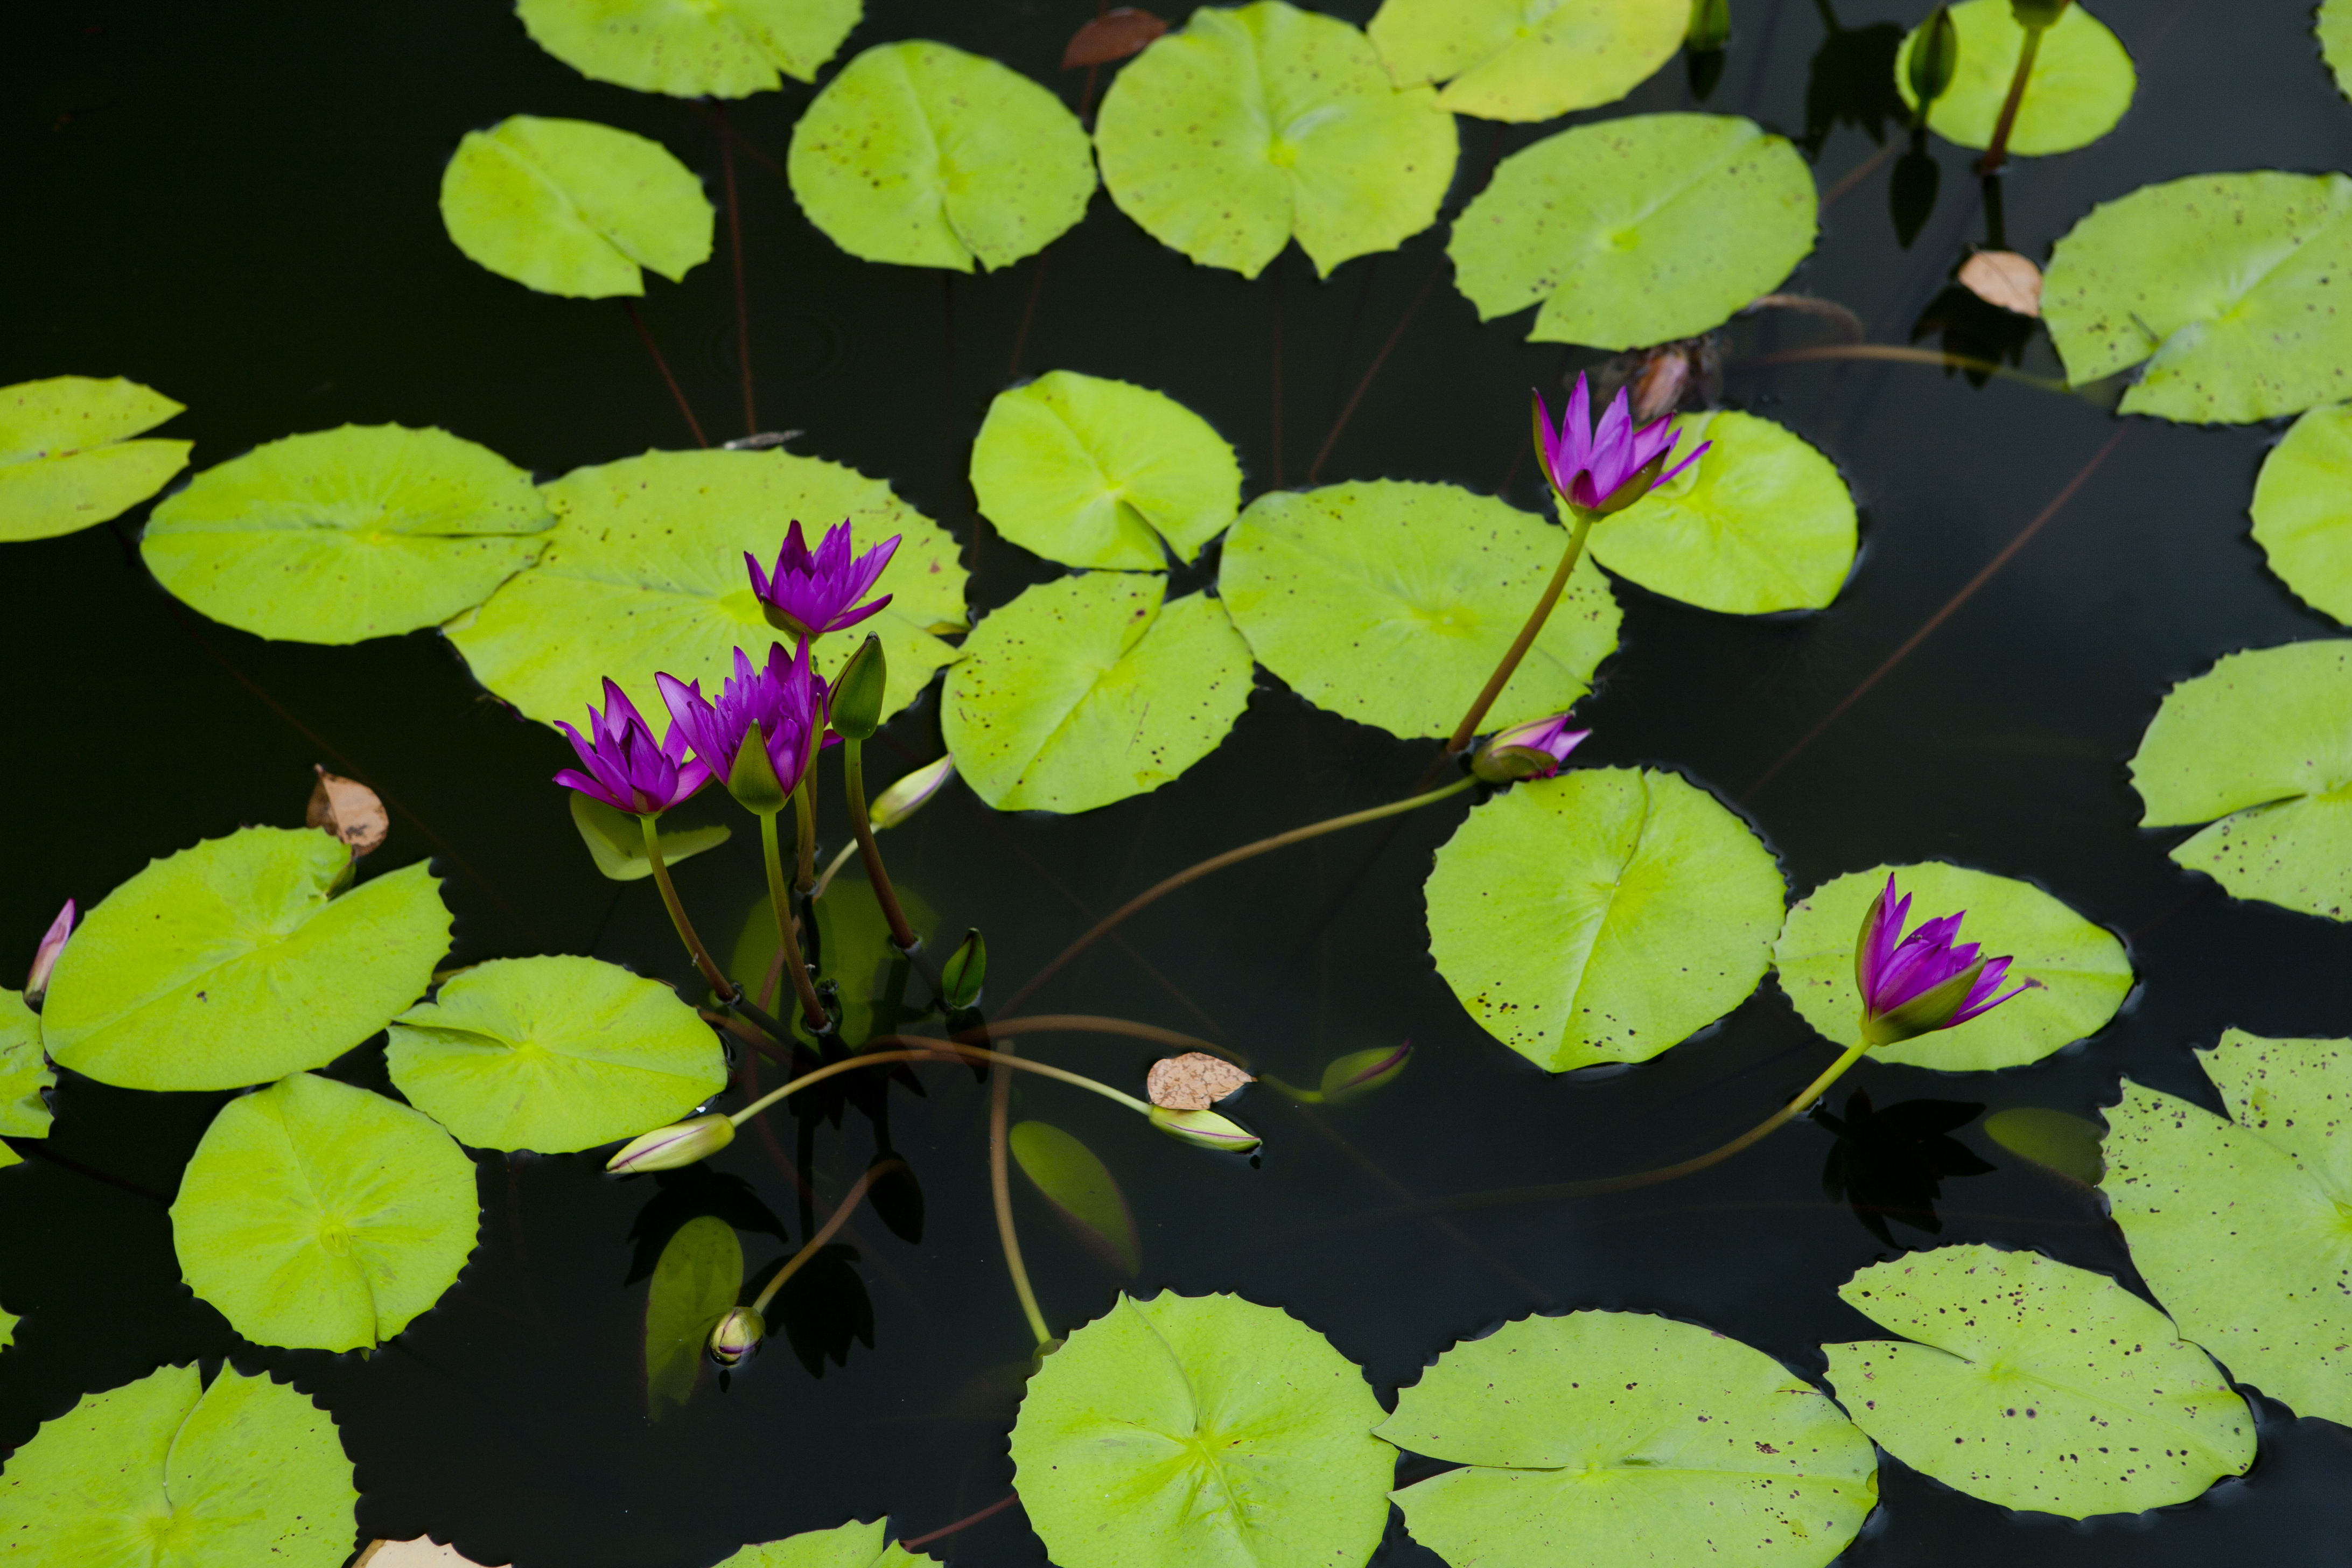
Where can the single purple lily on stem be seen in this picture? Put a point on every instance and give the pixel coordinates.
(1919, 983)
(1527, 750)
(785, 699)
(45, 957)
(812, 592)
(1609, 468)
(624, 769)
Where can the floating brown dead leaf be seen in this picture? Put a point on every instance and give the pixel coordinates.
(348, 810)
(422, 1552)
(1116, 34)
(1193, 1081)
(2005, 279)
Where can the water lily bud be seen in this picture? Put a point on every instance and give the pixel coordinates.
(903, 799)
(966, 970)
(1205, 1128)
(1527, 750)
(752, 780)
(45, 957)
(680, 1143)
(857, 692)
(737, 1335)
(1915, 985)
(2034, 15)
(1934, 58)
(1361, 1072)
(1710, 25)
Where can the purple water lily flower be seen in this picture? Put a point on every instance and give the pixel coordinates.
(785, 698)
(811, 593)
(1919, 983)
(1608, 468)
(1527, 750)
(624, 769)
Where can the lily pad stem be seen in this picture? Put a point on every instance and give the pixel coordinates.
(1996, 152)
(854, 771)
(787, 942)
(1000, 1193)
(929, 1051)
(816, 1243)
(1466, 730)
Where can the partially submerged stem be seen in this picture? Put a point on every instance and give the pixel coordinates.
(832, 869)
(804, 817)
(929, 1051)
(840, 1217)
(788, 941)
(1159, 890)
(650, 825)
(854, 770)
(1000, 1192)
(1464, 731)
(1996, 152)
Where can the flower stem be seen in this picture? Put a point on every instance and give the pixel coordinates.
(1468, 728)
(804, 816)
(651, 826)
(1000, 1192)
(1161, 889)
(787, 942)
(854, 771)
(929, 1050)
(1996, 152)
(815, 1243)
(832, 869)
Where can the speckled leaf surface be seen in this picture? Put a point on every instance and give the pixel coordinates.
(1527, 60)
(692, 48)
(66, 458)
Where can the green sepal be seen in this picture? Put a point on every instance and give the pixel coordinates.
(1935, 59)
(966, 970)
(752, 780)
(858, 691)
(1924, 1014)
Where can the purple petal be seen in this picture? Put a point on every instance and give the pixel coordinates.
(1611, 446)
(1686, 463)
(1576, 426)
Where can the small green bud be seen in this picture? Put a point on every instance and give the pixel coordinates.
(1935, 58)
(737, 1335)
(680, 1143)
(903, 799)
(1205, 1129)
(1710, 25)
(1361, 1072)
(2036, 15)
(857, 692)
(965, 972)
(752, 780)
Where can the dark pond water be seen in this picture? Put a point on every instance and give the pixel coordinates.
(236, 205)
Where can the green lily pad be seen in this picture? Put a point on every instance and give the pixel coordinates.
(855, 941)
(1205, 1429)
(2302, 509)
(2226, 285)
(851, 1545)
(24, 1074)
(1636, 231)
(8, 1321)
(1089, 690)
(643, 572)
(568, 206)
(2081, 83)
(553, 1054)
(2239, 1226)
(1252, 126)
(712, 49)
(2263, 741)
(321, 1216)
(237, 962)
(1761, 523)
(617, 841)
(2035, 1384)
(2336, 41)
(1073, 1179)
(2051, 1139)
(367, 531)
(924, 156)
(1623, 1438)
(697, 1280)
(1510, 60)
(166, 1473)
(1601, 916)
(1098, 473)
(67, 459)
(1391, 602)
(2084, 973)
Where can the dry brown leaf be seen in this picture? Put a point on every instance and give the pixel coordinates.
(1116, 34)
(1193, 1081)
(421, 1552)
(348, 810)
(2005, 279)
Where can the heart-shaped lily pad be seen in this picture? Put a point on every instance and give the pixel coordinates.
(1509, 59)
(1253, 126)
(2081, 83)
(1392, 603)
(168, 1473)
(1636, 231)
(1623, 1438)
(927, 156)
(568, 206)
(2084, 973)
(643, 572)
(2035, 1384)
(1601, 916)
(2225, 284)
(554, 1054)
(2238, 1225)
(2263, 742)
(367, 531)
(712, 49)
(239, 961)
(2302, 509)
(67, 458)
(1189, 1430)
(1090, 690)
(322, 1217)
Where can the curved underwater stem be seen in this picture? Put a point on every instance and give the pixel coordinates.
(1466, 731)
(999, 1194)
(929, 1051)
(788, 941)
(840, 1217)
(1161, 889)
